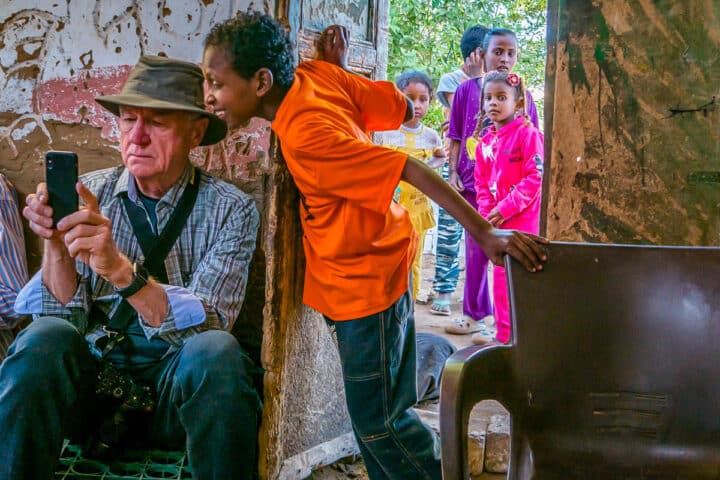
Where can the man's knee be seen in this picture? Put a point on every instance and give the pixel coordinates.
(48, 337)
(47, 353)
(215, 353)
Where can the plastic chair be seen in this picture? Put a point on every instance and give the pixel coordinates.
(613, 371)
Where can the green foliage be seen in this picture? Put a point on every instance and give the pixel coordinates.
(425, 35)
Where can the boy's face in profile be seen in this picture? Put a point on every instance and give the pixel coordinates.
(230, 96)
(501, 54)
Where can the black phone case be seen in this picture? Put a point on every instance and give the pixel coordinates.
(61, 175)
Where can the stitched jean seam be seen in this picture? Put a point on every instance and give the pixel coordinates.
(386, 401)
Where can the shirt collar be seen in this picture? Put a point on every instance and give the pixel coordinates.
(126, 184)
(509, 128)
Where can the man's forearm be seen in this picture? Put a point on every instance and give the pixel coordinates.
(424, 178)
(58, 272)
(150, 301)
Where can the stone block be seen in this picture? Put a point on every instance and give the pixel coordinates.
(497, 444)
(476, 438)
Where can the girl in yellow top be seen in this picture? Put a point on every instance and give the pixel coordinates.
(423, 143)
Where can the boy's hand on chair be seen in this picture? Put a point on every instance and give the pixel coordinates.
(524, 247)
(332, 45)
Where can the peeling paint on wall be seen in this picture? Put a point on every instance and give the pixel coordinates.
(355, 14)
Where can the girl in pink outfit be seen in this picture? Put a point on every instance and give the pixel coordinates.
(508, 173)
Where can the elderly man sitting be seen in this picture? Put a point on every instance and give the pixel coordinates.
(147, 277)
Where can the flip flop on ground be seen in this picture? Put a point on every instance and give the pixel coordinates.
(467, 325)
(441, 307)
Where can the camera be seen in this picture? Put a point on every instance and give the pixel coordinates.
(124, 407)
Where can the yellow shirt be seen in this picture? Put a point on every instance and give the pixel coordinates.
(418, 143)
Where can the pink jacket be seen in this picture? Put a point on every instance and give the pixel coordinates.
(508, 174)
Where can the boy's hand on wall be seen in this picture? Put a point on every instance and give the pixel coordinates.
(332, 45)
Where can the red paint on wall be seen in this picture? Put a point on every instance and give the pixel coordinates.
(72, 100)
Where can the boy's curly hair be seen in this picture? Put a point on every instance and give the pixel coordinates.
(414, 76)
(254, 41)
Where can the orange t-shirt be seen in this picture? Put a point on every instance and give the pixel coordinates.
(359, 244)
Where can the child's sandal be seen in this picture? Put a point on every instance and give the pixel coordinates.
(441, 307)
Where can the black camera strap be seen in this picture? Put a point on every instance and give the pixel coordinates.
(155, 249)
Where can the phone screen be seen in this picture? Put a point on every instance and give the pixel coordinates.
(61, 175)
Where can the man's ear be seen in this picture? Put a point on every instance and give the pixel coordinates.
(198, 132)
(264, 81)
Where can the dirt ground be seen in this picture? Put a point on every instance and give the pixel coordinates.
(425, 321)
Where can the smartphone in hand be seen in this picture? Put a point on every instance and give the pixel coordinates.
(61, 175)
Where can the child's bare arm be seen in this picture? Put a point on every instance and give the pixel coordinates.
(495, 243)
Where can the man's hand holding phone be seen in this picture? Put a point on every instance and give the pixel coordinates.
(54, 214)
(40, 214)
(87, 235)
(61, 178)
(56, 197)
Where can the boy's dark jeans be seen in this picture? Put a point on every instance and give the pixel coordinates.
(205, 401)
(378, 361)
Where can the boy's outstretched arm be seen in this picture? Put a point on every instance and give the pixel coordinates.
(495, 243)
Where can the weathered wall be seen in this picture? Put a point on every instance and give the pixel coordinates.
(633, 121)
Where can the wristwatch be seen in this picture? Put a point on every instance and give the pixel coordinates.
(140, 277)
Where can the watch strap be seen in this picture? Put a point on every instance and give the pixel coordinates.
(139, 280)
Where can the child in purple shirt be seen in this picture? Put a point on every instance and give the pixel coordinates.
(500, 53)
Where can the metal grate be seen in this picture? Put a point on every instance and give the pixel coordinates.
(144, 465)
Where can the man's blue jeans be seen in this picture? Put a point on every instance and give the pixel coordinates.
(205, 401)
(378, 362)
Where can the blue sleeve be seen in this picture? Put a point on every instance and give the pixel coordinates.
(13, 268)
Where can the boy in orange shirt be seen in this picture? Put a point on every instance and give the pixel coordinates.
(359, 244)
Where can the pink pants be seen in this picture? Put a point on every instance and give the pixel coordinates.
(526, 222)
(502, 309)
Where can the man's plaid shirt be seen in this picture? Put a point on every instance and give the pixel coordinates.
(207, 267)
